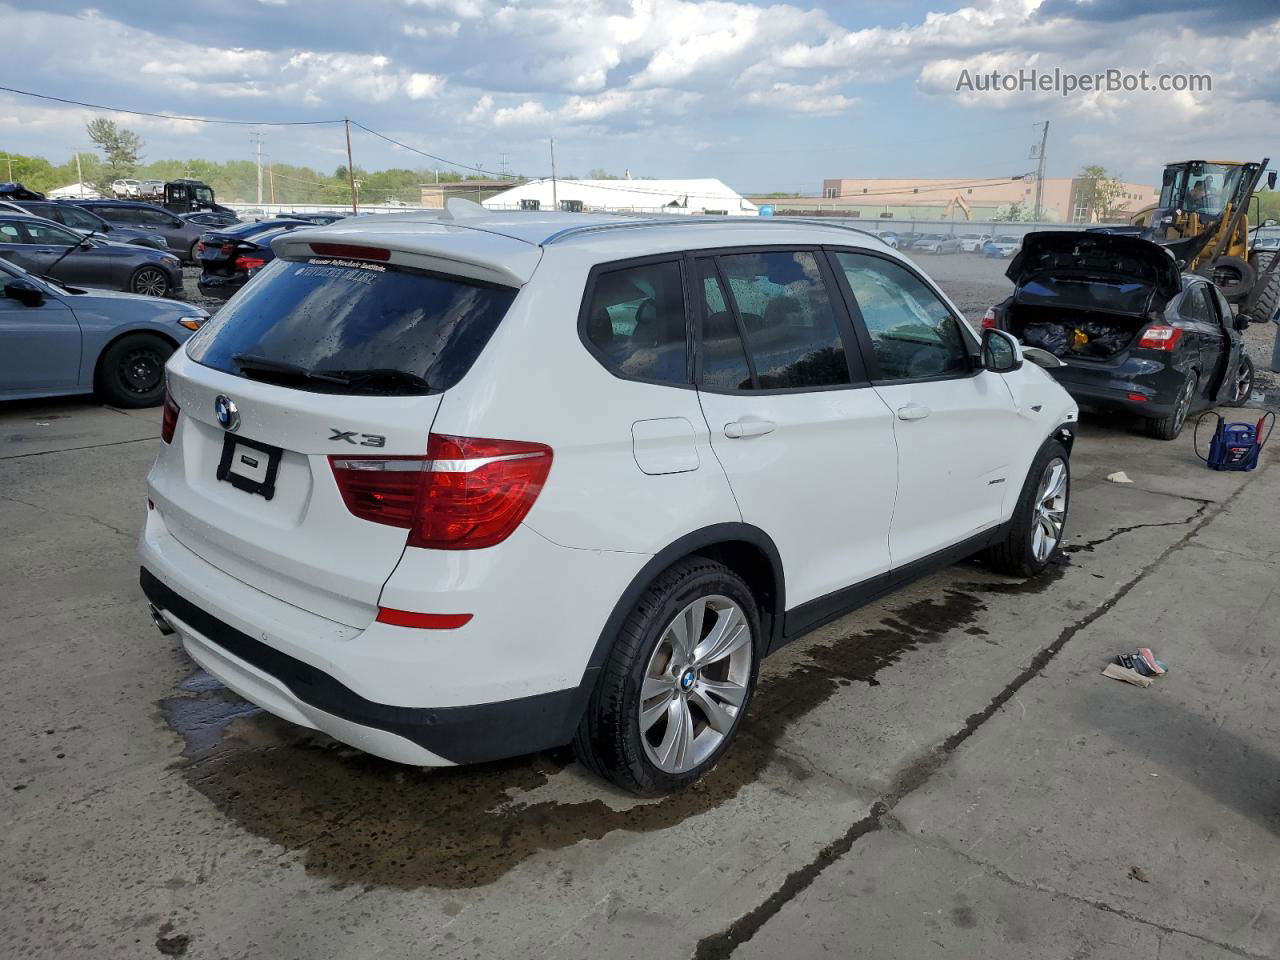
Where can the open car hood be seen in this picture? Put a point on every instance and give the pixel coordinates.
(1104, 255)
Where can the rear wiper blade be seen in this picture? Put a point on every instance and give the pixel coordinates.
(379, 376)
(249, 363)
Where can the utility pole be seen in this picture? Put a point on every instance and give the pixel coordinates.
(504, 164)
(10, 161)
(351, 173)
(257, 146)
(79, 176)
(555, 201)
(1044, 139)
(271, 177)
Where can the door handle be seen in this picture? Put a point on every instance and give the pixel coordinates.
(47, 251)
(913, 411)
(748, 428)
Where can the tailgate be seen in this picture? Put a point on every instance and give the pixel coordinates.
(302, 545)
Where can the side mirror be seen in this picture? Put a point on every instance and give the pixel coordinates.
(25, 292)
(1240, 322)
(84, 245)
(1000, 351)
(175, 222)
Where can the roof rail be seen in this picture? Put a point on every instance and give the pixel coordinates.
(571, 232)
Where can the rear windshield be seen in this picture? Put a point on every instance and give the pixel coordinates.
(365, 328)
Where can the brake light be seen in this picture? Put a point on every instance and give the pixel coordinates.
(169, 421)
(466, 493)
(1160, 337)
(200, 247)
(989, 319)
(249, 263)
(351, 250)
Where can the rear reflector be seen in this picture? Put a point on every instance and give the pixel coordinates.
(1160, 337)
(466, 493)
(423, 621)
(1137, 398)
(250, 263)
(989, 319)
(352, 251)
(169, 420)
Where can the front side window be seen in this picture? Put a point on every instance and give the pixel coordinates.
(787, 319)
(124, 215)
(913, 333)
(50, 234)
(635, 319)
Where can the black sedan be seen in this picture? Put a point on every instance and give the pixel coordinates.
(228, 258)
(45, 248)
(1137, 335)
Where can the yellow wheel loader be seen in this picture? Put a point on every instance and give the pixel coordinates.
(1202, 216)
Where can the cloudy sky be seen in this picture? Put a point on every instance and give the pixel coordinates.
(764, 96)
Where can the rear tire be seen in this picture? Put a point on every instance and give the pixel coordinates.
(1035, 533)
(131, 371)
(662, 713)
(1168, 428)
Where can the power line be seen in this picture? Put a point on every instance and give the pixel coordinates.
(405, 146)
(169, 116)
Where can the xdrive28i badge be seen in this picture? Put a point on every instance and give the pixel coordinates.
(228, 414)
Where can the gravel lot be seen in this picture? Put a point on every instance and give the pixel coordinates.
(944, 773)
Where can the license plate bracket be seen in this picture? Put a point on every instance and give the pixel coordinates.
(249, 465)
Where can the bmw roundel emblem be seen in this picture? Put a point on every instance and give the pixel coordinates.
(228, 414)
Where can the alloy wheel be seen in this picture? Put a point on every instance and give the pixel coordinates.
(695, 684)
(1244, 383)
(1182, 405)
(1050, 510)
(150, 282)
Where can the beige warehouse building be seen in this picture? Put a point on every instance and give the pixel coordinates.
(1065, 199)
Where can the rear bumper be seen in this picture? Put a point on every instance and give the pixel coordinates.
(1117, 386)
(514, 680)
(306, 695)
(220, 288)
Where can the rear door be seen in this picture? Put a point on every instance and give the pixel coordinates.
(807, 446)
(248, 483)
(953, 423)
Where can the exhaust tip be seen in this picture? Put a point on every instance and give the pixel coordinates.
(161, 623)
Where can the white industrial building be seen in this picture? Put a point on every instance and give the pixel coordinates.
(704, 196)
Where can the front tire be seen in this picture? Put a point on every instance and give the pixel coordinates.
(131, 370)
(1035, 533)
(1242, 387)
(677, 683)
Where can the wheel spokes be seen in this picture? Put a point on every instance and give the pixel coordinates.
(729, 633)
(673, 751)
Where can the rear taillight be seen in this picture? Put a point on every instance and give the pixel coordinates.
(200, 247)
(989, 319)
(466, 493)
(1160, 337)
(169, 421)
(249, 263)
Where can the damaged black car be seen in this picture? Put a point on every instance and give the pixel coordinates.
(1136, 335)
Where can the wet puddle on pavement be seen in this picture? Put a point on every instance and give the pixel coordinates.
(360, 820)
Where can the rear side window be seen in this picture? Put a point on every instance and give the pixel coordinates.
(914, 335)
(787, 319)
(1196, 305)
(362, 327)
(117, 214)
(635, 320)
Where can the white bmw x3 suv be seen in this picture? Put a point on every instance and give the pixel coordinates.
(454, 488)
